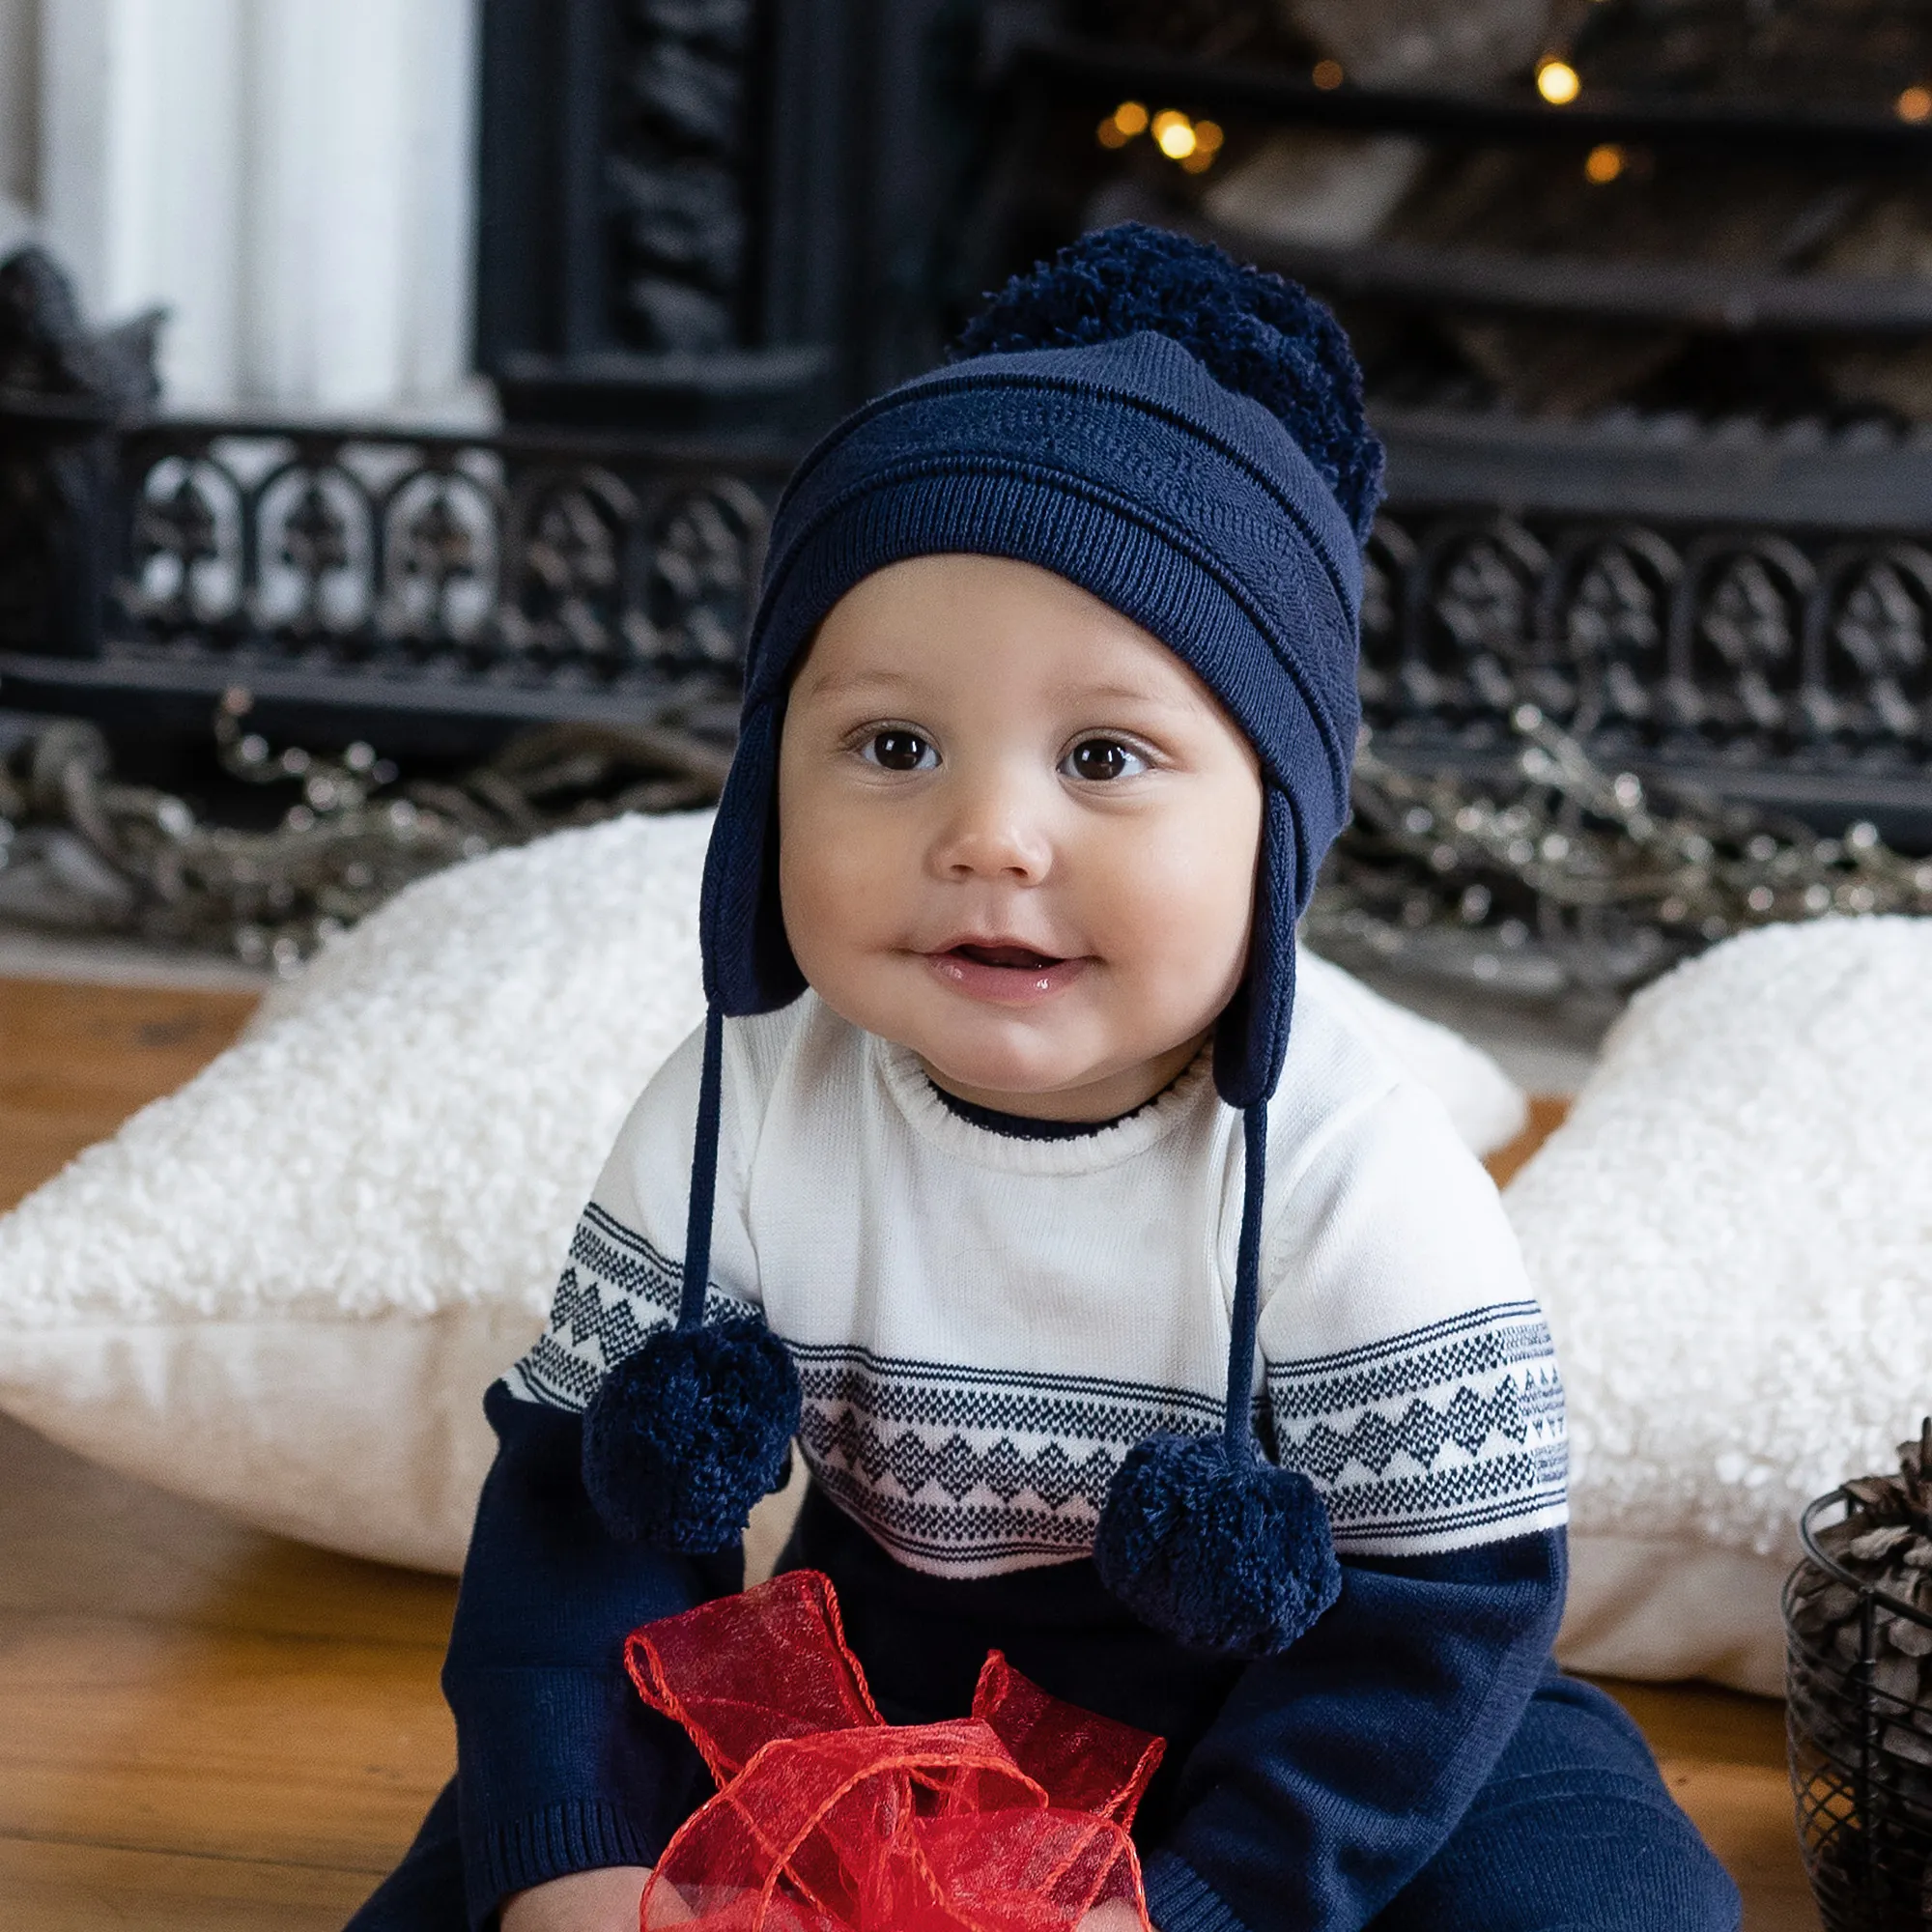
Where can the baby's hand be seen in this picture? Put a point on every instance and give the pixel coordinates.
(1112, 1915)
(669, 1907)
(587, 1901)
(607, 1900)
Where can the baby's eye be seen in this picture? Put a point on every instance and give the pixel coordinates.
(1103, 758)
(899, 750)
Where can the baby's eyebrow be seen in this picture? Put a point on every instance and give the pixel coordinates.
(840, 683)
(1121, 694)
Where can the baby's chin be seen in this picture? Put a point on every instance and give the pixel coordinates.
(1053, 1065)
(1018, 1057)
(1009, 1090)
(1041, 1084)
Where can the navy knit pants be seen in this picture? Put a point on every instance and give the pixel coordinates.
(1572, 1832)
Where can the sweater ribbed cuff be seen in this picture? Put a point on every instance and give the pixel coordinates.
(1179, 1899)
(577, 1837)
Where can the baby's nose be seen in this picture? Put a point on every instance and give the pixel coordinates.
(993, 830)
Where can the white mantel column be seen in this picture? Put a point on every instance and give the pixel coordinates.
(142, 170)
(291, 179)
(360, 220)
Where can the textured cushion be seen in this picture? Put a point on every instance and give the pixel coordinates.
(1733, 1237)
(1487, 1106)
(285, 1288)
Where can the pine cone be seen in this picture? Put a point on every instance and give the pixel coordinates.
(1885, 1540)
(1884, 1543)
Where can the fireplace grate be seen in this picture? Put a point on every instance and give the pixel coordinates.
(1673, 489)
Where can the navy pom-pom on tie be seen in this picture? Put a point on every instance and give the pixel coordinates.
(683, 1437)
(1216, 1549)
(1199, 1537)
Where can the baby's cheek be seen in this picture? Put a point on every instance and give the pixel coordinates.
(813, 902)
(826, 877)
(1191, 916)
(1193, 883)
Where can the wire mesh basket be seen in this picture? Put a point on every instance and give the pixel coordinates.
(1858, 1723)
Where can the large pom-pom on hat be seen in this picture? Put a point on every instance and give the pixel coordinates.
(1255, 333)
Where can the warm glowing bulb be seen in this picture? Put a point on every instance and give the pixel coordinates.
(1605, 164)
(1131, 119)
(1174, 136)
(1914, 104)
(1198, 162)
(1557, 82)
(1327, 74)
(1208, 137)
(1109, 135)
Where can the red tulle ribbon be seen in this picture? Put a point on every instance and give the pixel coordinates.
(828, 1819)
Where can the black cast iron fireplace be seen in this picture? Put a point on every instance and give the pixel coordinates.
(1653, 359)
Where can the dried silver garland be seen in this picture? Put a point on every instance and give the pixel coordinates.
(1557, 876)
(81, 852)
(1563, 876)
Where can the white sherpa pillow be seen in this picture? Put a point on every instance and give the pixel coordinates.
(1487, 1107)
(1733, 1237)
(285, 1288)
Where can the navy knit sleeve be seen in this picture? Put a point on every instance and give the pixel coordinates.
(1335, 1771)
(560, 1767)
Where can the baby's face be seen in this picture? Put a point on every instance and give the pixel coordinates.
(1016, 835)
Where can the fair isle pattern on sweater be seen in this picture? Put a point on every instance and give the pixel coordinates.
(1415, 1442)
(967, 1472)
(1432, 1436)
(616, 1289)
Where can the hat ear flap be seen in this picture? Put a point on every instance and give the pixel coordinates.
(749, 967)
(1251, 1040)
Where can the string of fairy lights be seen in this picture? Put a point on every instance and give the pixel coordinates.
(1195, 145)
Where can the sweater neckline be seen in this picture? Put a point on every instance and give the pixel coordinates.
(1029, 1128)
(939, 1119)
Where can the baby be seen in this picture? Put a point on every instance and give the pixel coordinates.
(1134, 1316)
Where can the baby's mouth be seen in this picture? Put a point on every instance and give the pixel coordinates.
(1017, 958)
(1004, 972)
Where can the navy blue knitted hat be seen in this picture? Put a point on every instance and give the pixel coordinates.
(1184, 438)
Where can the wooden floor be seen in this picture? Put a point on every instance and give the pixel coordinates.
(205, 1729)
